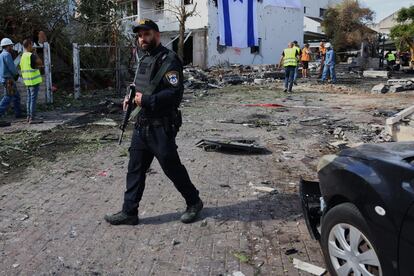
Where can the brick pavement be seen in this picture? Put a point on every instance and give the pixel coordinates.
(51, 219)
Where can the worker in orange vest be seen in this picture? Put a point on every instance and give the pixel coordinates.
(305, 58)
(322, 53)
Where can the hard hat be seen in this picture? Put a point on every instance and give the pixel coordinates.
(6, 42)
(328, 45)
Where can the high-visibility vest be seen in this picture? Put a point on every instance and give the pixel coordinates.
(391, 57)
(31, 77)
(306, 54)
(290, 58)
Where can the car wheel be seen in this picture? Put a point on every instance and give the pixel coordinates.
(347, 244)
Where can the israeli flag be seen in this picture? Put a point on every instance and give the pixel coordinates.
(295, 4)
(238, 23)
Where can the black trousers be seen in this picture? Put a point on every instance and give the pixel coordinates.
(149, 142)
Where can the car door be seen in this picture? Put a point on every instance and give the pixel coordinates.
(406, 245)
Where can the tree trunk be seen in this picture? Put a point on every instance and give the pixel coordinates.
(411, 44)
(181, 38)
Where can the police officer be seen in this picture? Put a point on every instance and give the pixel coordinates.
(157, 126)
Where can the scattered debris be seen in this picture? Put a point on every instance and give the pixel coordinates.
(105, 122)
(265, 105)
(376, 74)
(380, 88)
(175, 242)
(237, 273)
(291, 251)
(242, 257)
(247, 146)
(400, 127)
(312, 269)
(103, 173)
(225, 186)
(15, 265)
(25, 217)
(47, 144)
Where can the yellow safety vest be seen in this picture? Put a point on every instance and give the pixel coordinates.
(290, 57)
(391, 57)
(31, 77)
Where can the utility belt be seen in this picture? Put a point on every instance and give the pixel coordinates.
(170, 123)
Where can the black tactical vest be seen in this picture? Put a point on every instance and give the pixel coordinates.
(146, 72)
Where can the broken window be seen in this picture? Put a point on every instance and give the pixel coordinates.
(188, 2)
(256, 49)
(322, 12)
(220, 48)
(159, 6)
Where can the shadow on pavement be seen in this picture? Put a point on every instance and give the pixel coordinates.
(268, 207)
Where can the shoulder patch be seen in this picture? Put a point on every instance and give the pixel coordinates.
(172, 77)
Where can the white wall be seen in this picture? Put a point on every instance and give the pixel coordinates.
(276, 27)
(311, 25)
(167, 21)
(313, 6)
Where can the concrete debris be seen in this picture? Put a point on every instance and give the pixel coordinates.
(264, 189)
(310, 268)
(237, 273)
(396, 88)
(380, 88)
(376, 74)
(105, 122)
(400, 127)
(218, 77)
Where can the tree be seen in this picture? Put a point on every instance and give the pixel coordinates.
(182, 14)
(403, 33)
(346, 25)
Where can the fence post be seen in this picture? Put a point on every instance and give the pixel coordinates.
(48, 72)
(76, 71)
(118, 69)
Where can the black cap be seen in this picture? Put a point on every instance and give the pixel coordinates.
(145, 24)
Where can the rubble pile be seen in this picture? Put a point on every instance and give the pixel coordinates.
(393, 86)
(219, 76)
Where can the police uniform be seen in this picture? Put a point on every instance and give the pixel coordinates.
(156, 128)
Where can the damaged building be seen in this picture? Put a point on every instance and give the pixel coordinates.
(276, 26)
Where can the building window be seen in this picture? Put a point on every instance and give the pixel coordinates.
(256, 49)
(188, 2)
(128, 8)
(159, 6)
(322, 12)
(304, 9)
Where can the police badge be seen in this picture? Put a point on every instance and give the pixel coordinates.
(172, 78)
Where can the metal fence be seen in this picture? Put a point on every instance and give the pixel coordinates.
(120, 69)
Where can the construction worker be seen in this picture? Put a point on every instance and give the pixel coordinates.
(32, 78)
(330, 62)
(296, 46)
(305, 58)
(8, 77)
(159, 84)
(391, 59)
(322, 54)
(289, 59)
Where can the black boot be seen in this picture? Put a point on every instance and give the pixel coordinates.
(191, 214)
(121, 219)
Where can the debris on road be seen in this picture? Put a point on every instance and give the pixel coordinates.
(376, 74)
(262, 188)
(401, 126)
(291, 251)
(310, 268)
(105, 122)
(246, 146)
(272, 105)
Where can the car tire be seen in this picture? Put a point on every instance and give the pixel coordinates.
(343, 255)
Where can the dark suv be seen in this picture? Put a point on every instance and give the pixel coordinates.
(362, 210)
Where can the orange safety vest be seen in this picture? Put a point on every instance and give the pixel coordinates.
(305, 55)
